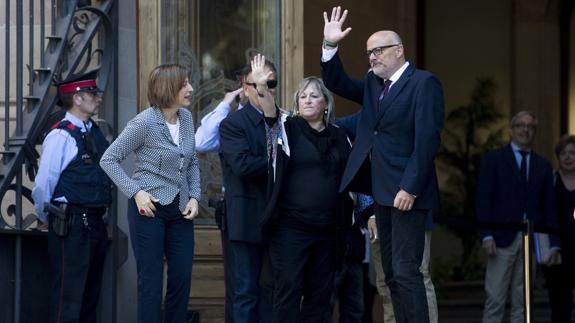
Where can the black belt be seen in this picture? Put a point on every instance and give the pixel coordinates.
(86, 210)
(78, 209)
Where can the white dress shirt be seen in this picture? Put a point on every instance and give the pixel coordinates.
(207, 134)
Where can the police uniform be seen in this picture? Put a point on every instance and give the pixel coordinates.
(70, 175)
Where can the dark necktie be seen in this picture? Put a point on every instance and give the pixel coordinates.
(383, 93)
(385, 90)
(523, 167)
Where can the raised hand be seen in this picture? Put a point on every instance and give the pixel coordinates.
(332, 27)
(260, 77)
(230, 96)
(259, 74)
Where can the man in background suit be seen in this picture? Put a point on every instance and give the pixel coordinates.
(514, 184)
(399, 133)
(244, 159)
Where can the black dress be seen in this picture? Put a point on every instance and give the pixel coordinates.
(305, 220)
(559, 278)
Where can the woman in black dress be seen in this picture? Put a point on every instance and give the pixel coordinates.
(306, 215)
(560, 280)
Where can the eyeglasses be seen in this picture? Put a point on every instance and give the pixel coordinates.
(524, 126)
(379, 50)
(272, 84)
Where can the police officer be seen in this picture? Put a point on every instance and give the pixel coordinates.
(71, 185)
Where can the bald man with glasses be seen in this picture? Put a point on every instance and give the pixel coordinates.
(398, 136)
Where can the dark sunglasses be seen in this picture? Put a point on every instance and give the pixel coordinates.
(92, 90)
(272, 84)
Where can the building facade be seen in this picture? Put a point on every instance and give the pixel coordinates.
(525, 46)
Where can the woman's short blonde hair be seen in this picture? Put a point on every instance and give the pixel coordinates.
(328, 97)
(164, 83)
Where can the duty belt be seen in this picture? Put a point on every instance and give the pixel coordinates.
(78, 209)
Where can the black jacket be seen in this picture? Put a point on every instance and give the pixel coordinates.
(277, 171)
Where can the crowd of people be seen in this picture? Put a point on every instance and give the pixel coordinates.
(309, 199)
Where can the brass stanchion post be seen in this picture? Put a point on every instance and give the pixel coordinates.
(527, 234)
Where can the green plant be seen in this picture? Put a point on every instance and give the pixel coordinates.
(448, 278)
(470, 131)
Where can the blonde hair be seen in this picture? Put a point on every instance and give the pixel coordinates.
(328, 97)
(164, 83)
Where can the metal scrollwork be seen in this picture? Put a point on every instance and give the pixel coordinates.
(8, 213)
(88, 46)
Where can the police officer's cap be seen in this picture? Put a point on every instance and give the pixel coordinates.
(80, 83)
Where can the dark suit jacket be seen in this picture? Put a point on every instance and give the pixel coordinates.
(402, 133)
(349, 124)
(244, 160)
(502, 197)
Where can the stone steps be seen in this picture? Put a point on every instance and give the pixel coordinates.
(463, 303)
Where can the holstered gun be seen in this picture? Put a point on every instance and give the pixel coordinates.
(60, 222)
(219, 213)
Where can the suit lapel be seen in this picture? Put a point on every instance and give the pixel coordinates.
(398, 86)
(533, 167)
(256, 119)
(160, 121)
(394, 92)
(253, 114)
(375, 87)
(512, 161)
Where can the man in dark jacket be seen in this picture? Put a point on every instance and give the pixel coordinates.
(244, 156)
(514, 184)
(399, 135)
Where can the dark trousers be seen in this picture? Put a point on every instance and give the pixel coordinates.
(76, 264)
(249, 299)
(169, 234)
(369, 292)
(402, 240)
(228, 276)
(560, 288)
(303, 264)
(349, 292)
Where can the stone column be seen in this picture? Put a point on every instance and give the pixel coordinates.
(536, 67)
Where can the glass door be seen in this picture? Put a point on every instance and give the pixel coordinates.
(215, 40)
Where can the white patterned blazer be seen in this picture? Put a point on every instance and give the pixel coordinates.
(163, 169)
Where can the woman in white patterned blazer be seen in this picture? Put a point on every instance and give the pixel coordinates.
(164, 191)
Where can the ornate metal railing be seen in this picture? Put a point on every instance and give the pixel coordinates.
(74, 42)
